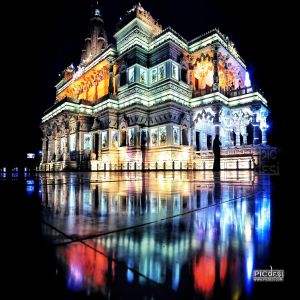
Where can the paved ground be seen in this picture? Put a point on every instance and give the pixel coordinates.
(174, 235)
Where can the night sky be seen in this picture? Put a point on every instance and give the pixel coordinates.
(45, 37)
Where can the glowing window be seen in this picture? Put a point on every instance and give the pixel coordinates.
(176, 135)
(87, 141)
(162, 135)
(154, 75)
(143, 76)
(104, 139)
(204, 74)
(131, 75)
(161, 72)
(175, 70)
(154, 137)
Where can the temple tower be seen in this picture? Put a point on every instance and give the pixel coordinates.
(96, 42)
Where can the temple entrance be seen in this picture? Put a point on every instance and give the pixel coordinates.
(249, 129)
(209, 142)
(185, 140)
(198, 146)
(123, 138)
(96, 144)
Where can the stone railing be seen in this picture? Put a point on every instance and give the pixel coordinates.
(229, 94)
(245, 150)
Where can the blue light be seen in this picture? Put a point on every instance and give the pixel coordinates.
(130, 275)
(249, 267)
(176, 277)
(30, 190)
(75, 278)
(247, 80)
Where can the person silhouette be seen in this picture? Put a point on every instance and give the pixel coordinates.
(217, 153)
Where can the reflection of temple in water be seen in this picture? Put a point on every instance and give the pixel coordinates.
(154, 100)
(138, 194)
(221, 240)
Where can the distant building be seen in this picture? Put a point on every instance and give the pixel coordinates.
(154, 101)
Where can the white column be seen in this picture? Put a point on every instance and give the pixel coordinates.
(264, 136)
(237, 139)
(203, 140)
(50, 149)
(66, 155)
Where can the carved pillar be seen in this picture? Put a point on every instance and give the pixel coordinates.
(237, 135)
(66, 155)
(264, 129)
(44, 150)
(203, 140)
(137, 136)
(255, 109)
(264, 136)
(56, 147)
(255, 129)
(111, 80)
(217, 110)
(244, 131)
(228, 136)
(193, 138)
(216, 73)
(245, 137)
(50, 149)
(99, 144)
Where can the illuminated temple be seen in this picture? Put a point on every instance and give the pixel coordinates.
(153, 100)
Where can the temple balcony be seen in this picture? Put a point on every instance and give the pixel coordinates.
(236, 97)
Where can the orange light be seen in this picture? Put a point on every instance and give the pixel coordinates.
(91, 86)
(204, 271)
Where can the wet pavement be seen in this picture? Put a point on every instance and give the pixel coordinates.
(156, 235)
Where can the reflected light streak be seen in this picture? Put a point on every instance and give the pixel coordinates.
(204, 271)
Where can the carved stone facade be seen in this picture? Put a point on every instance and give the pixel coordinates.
(153, 101)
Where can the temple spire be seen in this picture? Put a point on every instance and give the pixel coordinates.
(96, 9)
(96, 42)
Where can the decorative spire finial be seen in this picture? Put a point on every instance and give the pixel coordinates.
(96, 10)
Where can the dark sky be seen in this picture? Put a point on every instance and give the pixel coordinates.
(45, 37)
